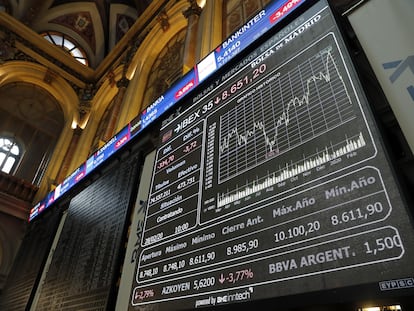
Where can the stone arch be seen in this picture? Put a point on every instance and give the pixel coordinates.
(102, 99)
(145, 57)
(20, 71)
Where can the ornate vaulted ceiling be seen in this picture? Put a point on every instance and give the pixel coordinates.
(95, 25)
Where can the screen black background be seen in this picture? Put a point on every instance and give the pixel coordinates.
(81, 274)
(27, 268)
(341, 186)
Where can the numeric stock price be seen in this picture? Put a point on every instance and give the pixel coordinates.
(243, 247)
(382, 244)
(297, 231)
(236, 276)
(204, 282)
(144, 294)
(202, 259)
(241, 83)
(357, 214)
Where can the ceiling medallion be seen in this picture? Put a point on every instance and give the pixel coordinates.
(81, 23)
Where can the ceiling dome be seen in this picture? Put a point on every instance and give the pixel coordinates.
(96, 26)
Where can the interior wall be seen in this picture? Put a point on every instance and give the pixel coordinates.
(134, 101)
(33, 118)
(12, 231)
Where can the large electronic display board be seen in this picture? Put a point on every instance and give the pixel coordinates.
(273, 182)
(29, 262)
(274, 13)
(85, 262)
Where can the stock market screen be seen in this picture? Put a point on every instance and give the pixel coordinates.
(273, 182)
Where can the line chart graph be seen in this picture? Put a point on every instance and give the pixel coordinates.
(289, 170)
(303, 102)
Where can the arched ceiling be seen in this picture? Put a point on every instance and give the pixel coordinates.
(32, 105)
(96, 25)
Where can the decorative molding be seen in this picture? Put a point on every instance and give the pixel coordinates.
(85, 101)
(81, 23)
(123, 24)
(194, 9)
(123, 82)
(111, 78)
(50, 76)
(163, 20)
(87, 93)
(17, 54)
(84, 110)
(7, 48)
(21, 190)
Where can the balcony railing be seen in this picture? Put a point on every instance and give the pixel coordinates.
(18, 188)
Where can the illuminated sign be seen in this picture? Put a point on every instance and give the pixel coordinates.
(273, 182)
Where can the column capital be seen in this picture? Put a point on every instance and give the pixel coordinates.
(193, 9)
(123, 82)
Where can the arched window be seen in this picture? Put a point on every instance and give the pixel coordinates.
(68, 45)
(10, 154)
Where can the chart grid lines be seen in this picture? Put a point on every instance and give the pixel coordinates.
(292, 169)
(311, 99)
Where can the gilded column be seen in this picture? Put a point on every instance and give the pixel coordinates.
(111, 129)
(192, 14)
(211, 34)
(64, 169)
